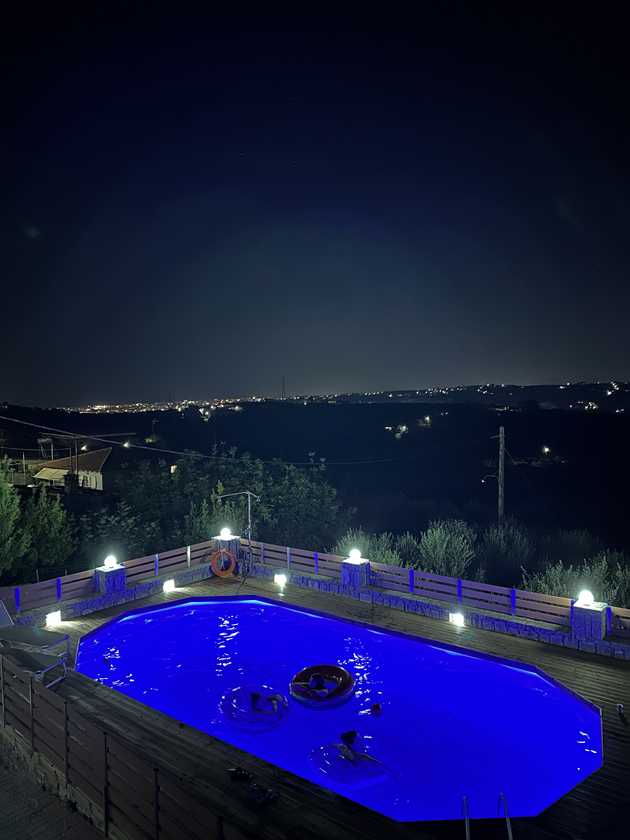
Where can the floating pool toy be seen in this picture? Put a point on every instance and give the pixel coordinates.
(321, 686)
(255, 708)
(352, 766)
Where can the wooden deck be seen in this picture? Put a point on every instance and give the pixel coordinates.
(596, 808)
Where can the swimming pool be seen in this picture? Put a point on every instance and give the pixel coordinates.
(448, 722)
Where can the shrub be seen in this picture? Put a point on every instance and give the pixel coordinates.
(505, 551)
(408, 549)
(447, 548)
(569, 546)
(380, 548)
(607, 576)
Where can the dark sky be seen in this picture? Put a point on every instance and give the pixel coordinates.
(193, 208)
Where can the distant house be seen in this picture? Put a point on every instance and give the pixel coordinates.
(88, 466)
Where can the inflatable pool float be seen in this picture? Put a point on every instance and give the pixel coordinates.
(322, 686)
(255, 708)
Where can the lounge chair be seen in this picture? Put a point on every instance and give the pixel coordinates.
(42, 666)
(30, 638)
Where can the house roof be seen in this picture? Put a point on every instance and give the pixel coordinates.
(87, 461)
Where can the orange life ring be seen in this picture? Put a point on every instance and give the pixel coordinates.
(337, 685)
(217, 560)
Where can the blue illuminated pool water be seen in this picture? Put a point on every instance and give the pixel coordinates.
(453, 722)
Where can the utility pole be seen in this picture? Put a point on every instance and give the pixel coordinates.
(501, 477)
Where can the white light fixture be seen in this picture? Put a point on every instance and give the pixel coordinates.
(280, 579)
(355, 555)
(585, 599)
(53, 618)
(168, 586)
(457, 619)
(225, 534)
(126, 444)
(111, 562)
(546, 450)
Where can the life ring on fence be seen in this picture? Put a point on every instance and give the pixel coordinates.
(319, 686)
(218, 560)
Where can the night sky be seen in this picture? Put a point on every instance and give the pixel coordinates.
(191, 208)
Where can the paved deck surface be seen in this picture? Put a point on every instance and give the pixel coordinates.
(29, 813)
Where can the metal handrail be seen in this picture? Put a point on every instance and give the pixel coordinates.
(466, 815)
(503, 802)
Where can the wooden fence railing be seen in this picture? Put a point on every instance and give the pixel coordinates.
(537, 606)
(551, 609)
(140, 799)
(56, 590)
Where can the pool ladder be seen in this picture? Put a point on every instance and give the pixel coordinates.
(502, 806)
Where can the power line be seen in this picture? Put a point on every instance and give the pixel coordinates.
(127, 445)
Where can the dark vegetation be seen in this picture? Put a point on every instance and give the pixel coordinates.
(413, 497)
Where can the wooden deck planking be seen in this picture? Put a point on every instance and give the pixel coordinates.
(591, 809)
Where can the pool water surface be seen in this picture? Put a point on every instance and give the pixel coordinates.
(449, 722)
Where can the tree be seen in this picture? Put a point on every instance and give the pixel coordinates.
(50, 531)
(14, 540)
(120, 531)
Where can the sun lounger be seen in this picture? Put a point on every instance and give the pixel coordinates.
(21, 636)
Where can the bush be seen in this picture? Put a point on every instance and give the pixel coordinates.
(569, 547)
(408, 549)
(447, 548)
(505, 551)
(607, 576)
(379, 548)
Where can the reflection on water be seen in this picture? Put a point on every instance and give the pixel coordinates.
(426, 725)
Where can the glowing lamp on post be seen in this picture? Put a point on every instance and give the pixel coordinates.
(225, 534)
(110, 577)
(110, 562)
(355, 555)
(588, 617)
(585, 599)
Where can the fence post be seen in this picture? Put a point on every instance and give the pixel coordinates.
(460, 596)
(17, 597)
(30, 702)
(288, 558)
(262, 554)
(412, 580)
(2, 687)
(609, 620)
(156, 797)
(65, 739)
(105, 788)
(188, 556)
(156, 565)
(59, 589)
(513, 600)
(316, 562)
